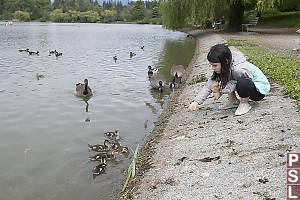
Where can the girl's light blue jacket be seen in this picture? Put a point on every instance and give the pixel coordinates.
(240, 68)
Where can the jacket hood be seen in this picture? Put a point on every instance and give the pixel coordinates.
(237, 56)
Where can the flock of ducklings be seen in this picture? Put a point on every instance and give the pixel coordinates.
(106, 151)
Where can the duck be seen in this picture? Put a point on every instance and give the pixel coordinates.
(107, 156)
(113, 135)
(157, 82)
(100, 147)
(58, 54)
(99, 169)
(83, 90)
(52, 52)
(142, 47)
(38, 76)
(151, 70)
(177, 71)
(24, 50)
(131, 54)
(33, 52)
(115, 58)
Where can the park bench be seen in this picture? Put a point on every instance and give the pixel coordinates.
(252, 22)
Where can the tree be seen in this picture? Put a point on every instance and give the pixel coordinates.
(138, 10)
(179, 13)
(22, 16)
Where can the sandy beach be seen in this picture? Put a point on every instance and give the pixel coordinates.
(213, 154)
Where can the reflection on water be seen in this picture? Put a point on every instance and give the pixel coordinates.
(44, 130)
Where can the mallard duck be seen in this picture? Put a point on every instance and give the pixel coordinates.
(33, 52)
(115, 58)
(157, 82)
(177, 71)
(113, 135)
(151, 70)
(99, 169)
(83, 90)
(38, 76)
(24, 50)
(107, 156)
(100, 147)
(131, 54)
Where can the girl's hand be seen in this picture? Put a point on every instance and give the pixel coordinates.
(193, 106)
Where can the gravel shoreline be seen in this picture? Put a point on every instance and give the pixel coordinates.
(213, 154)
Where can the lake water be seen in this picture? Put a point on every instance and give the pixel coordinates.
(45, 129)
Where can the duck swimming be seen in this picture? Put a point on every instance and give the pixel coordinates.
(83, 90)
(157, 82)
(151, 70)
(24, 50)
(113, 135)
(38, 76)
(99, 169)
(52, 52)
(142, 47)
(33, 52)
(107, 156)
(100, 147)
(131, 54)
(115, 58)
(58, 54)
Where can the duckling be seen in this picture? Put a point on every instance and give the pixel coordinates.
(38, 76)
(113, 135)
(33, 52)
(24, 50)
(151, 71)
(83, 90)
(99, 169)
(176, 71)
(124, 149)
(119, 148)
(58, 54)
(100, 147)
(131, 54)
(157, 82)
(107, 156)
(115, 58)
(142, 47)
(115, 146)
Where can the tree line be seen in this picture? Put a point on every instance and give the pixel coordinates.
(182, 13)
(84, 11)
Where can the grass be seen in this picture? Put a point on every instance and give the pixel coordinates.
(198, 79)
(131, 169)
(284, 69)
(280, 19)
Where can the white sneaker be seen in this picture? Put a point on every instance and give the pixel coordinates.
(242, 109)
(229, 104)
